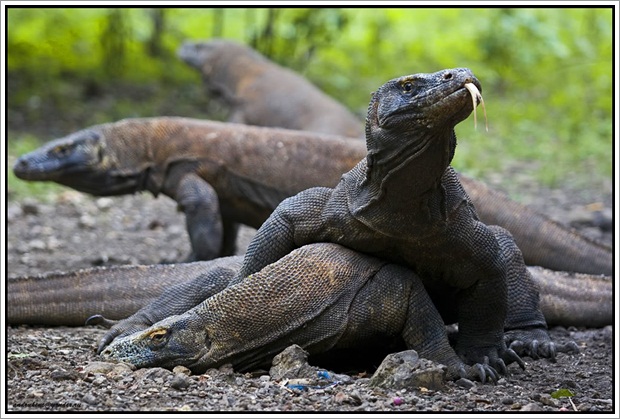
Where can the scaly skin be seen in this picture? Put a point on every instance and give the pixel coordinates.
(223, 174)
(403, 203)
(322, 297)
(116, 292)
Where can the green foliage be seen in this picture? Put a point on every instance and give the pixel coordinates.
(546, 73)
(563, 392)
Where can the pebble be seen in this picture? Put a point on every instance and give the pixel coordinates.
(180, 381)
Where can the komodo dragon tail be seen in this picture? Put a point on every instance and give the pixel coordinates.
(542, 241)
(69, 299)
(573, 299)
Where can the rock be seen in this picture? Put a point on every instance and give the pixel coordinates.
(156, 374)
(531, 407)
(180, 381)
(291, 363)
(62, 374)
(181, 369)
(407, 370)
(465, 383)
(113, 368)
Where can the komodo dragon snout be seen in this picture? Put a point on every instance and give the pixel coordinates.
(63, 157)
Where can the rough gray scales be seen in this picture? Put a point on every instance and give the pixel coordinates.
(322, 297)
(223, 174)
(117, 292)
(404, 203)
(260, 92)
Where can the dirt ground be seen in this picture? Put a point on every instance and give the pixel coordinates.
(56, 369)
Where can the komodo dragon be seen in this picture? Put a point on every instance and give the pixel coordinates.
(260, 92)
(221, 174)
(404, 203)
(117, 292)
(321, 297)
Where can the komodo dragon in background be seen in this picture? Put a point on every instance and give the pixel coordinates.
(260, 92)
(221, 174)
(404, 203)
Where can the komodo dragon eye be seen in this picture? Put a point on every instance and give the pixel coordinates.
(61, 150)
(158, 338)
(407, 87)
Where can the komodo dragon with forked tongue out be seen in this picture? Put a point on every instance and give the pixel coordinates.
(222, 174)
(404, 203)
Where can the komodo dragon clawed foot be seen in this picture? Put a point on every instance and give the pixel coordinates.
(536, 343)
(490, 356)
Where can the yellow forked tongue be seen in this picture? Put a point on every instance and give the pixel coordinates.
(475, 94)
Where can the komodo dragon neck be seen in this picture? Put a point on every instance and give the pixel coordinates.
(404, 166)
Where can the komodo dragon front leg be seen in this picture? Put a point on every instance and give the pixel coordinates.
(321, 297)
(199, 202)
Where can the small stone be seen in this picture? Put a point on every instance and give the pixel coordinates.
(548, 400)
(180, 382)
(104, 203)
(531, 407)
(86, 222)
(182, 369)
(89, 399)
(111, 368)
(30, 207)
(406, 370)
(61, 374)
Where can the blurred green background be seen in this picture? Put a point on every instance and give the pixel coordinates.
(546, 74)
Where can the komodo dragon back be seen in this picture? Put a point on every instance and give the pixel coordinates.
(260, 92)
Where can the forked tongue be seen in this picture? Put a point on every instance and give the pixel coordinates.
(476, 96)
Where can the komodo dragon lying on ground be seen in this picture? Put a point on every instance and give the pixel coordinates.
(321, 297)
(260, 92)
(221, 174)
(404, 203)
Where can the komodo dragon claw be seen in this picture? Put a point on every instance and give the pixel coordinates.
(482, 372)
(536, 343)
(99, 320)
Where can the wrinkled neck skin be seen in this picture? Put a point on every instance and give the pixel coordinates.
(407, 175)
